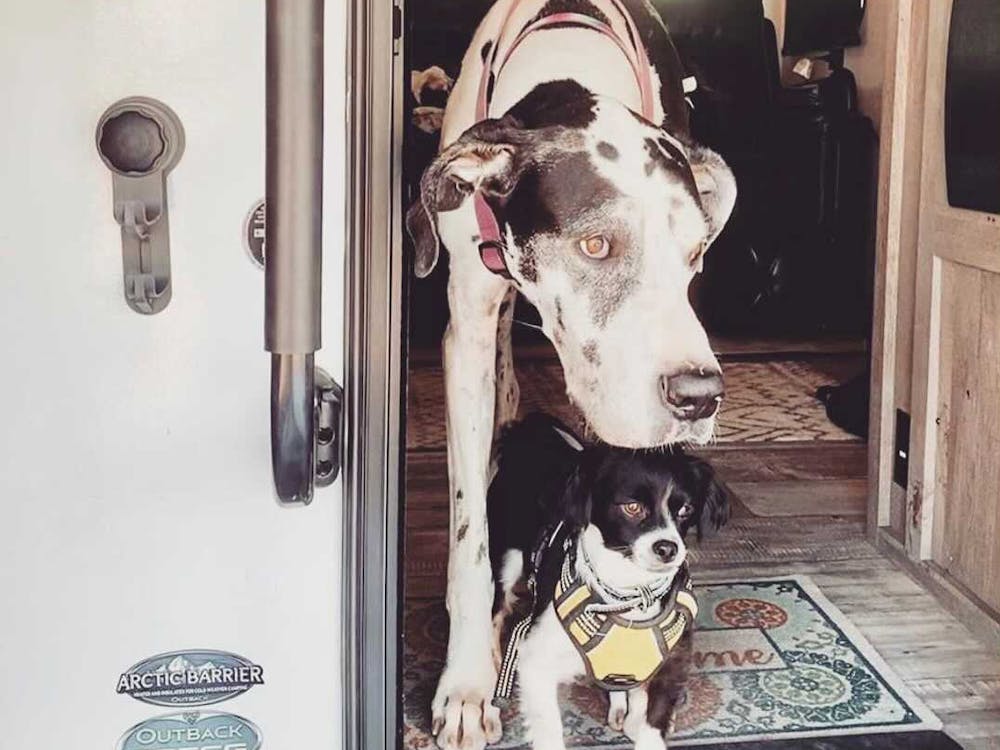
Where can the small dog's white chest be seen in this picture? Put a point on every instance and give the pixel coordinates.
(548, 649)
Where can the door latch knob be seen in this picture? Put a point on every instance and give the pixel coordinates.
(140, 140)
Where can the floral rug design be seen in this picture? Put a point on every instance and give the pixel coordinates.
(773, 659)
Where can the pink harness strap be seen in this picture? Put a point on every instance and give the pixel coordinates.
(635, 54)
(490, 239)
(491, 246)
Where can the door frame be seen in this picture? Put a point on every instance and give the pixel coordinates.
(375, 347)
(374, 387)
(898, 189)
(910, 62)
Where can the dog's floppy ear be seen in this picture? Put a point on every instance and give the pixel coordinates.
(716, 189)
(576, 500)
(712, 497)
(421, 225)
(489, 156)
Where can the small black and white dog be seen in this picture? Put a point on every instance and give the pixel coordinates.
(587, 548)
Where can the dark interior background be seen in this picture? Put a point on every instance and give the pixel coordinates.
(797, 255)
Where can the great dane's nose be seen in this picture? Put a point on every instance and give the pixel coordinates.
(692, 394)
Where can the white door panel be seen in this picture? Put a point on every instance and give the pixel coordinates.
(134, 450)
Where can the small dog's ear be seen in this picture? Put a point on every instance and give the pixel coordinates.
(712, 497)
(718, 507)
(576, 499)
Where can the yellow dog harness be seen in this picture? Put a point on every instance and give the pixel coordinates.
(619, 654)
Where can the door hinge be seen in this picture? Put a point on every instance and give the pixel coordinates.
(329, 428)
(397, 27)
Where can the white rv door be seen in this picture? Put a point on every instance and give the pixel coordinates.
(139, 517)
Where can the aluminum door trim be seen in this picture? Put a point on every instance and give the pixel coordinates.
(374, 366)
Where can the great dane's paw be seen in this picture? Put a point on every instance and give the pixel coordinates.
(463, 715)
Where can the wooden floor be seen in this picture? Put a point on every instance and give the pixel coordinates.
(800, 511)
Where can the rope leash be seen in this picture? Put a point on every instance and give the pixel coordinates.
(508, 668)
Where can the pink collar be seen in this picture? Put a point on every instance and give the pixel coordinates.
(491, 245)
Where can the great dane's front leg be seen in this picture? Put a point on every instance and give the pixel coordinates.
(508, 393)
(463, 715)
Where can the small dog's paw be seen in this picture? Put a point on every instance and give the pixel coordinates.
(617, 711)
(651, 741)
(554, 742)
(616, 718)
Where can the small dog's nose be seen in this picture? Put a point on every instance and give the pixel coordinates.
(665, 550)
(692, 394)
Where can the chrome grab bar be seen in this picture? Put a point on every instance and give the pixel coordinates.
(294, 223)
(292, 426)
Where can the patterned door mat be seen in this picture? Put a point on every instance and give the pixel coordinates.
(774, 660)
(770, 401)
(896, 741)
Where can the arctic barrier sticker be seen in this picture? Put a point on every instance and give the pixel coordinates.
(190, 678)
(195, 730)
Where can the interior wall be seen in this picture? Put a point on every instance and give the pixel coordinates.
(867, 62)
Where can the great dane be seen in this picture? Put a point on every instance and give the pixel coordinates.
(566, 173)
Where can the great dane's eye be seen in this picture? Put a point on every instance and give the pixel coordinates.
(633, 509)
(596, 247)
(465, 188)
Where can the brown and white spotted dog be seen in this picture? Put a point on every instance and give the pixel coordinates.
(561, 178)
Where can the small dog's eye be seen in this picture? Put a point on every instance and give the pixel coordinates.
(633, 510)
(685, 511)
(596, 247)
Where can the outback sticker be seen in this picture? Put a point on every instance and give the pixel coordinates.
(190, 678)
(197, 730)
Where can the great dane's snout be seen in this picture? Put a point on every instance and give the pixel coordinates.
(692, 394)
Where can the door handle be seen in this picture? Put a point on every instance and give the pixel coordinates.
(301, 396)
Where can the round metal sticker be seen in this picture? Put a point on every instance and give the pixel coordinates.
(253, 233)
